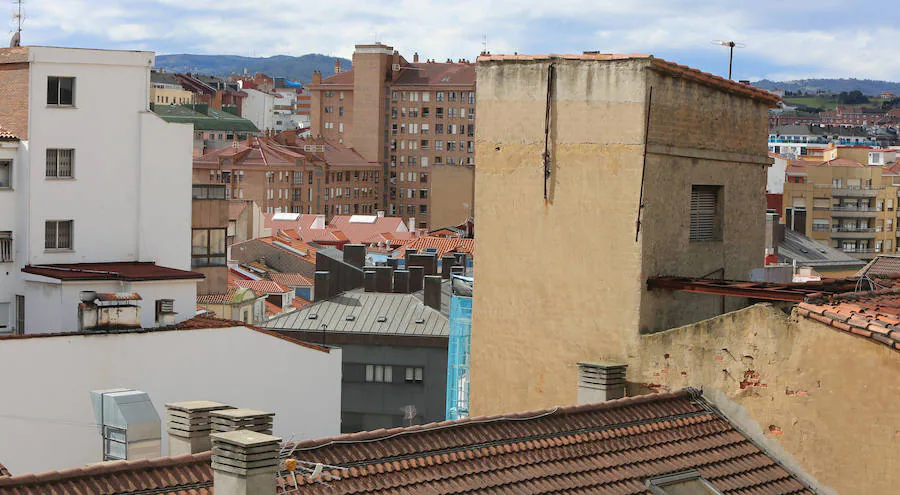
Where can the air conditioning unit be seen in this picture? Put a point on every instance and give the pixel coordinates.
(395, 67)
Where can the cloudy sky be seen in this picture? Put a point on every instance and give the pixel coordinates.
(784, 40)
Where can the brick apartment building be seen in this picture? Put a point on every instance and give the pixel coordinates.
(305, 176)
(413, 118)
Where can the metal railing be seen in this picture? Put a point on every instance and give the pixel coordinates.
(853, 230)
(855, 208)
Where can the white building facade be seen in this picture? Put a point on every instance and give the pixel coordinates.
(259, 107)
(94, 177)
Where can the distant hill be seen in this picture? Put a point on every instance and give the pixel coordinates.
(294, 68)
(867, 86)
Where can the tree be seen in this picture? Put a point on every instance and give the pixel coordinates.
(852, 98)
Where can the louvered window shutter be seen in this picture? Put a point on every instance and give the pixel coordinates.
(703, 213)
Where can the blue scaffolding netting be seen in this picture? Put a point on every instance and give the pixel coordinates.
(458, 353)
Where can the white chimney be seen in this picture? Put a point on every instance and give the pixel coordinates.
(380, 213)
(600, 382)
(244, 463)
(189, 425)
(411, 224)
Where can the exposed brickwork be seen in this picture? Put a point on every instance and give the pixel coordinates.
(14, 91)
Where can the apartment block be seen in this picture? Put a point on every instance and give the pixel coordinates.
(410, 117)
(94, 196)
(166, 89)
(845, 204)
(313, 176)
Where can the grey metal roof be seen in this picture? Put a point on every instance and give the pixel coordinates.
(401, 311)
(809, 252)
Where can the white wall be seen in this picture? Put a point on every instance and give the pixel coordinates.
(11, 219)
(775, 176)
(46, 418)
(259, 108)
(52, 306)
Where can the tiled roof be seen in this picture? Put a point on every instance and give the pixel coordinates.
(657, 63)
(873, 315)
(7, 135)
(881, 266)
(443, 245)
(838, 162)
(359, 228)
(264, 286)
(344, 78)
(290, 279)
(123, 270)
(611, 447)
(3, 471)
(436, 74)
(189, 474)
(235, 208)
(254, 152)
(231, 295)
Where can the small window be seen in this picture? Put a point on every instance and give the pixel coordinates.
(6, 248)
(61, 91)
(58, 234)
(5, 174)
(378, 373)
(60, 163)
(706, 213)
(414, 375)
(685, 483)
(208, 247)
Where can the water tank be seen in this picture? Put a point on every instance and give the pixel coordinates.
(129, 424)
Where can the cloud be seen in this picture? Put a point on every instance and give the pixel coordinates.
(812, 38)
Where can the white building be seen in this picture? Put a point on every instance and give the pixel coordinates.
(775, 174)
(259, 107)
(47, 420)
(91, 183)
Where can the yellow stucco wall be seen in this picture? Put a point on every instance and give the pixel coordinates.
(830, 399)
(561, 280)
(452, 195)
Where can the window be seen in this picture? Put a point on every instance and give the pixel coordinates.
(379, 373)
(61, 91)
(423, 193)
(6, 249)
(207, 247)
(340, 111)
(684, 483)
(60, 163)
(706, 217)
(414, 375)
(208, 191)
(5, 174)
(58, 234)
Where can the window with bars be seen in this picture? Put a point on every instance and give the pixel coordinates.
(60, 163)
(706, 213)
(60, 91)
(58, 234)
(6, 248)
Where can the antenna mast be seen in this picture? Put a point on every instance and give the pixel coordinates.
(19, 18)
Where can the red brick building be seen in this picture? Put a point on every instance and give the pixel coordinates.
(410, 117)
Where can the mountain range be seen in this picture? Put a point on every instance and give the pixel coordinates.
(293, 68)
(836, 86)
(301, 68)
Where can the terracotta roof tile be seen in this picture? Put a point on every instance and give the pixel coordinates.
(264, 286)
(291, 279)
(179, 475)
(7, 135)
(613, 447)
(443, 245)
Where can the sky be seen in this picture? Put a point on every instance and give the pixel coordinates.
(782, 40)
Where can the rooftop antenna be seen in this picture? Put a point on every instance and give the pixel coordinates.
(484, 50)
(731, 46)
(19, 18)
(409, 413)
(289, 467)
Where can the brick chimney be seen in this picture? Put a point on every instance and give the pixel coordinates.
(188, 425)
(337, 66)
(600, 382)
(416, 57)
(244, 463)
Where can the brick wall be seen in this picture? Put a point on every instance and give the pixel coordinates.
(14, 91)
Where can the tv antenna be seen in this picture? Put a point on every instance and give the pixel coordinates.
(731, 46)
(289, 468)
(484, 50)
(19, 17)
(409, 413)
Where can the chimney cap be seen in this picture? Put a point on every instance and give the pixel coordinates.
(245, 438)
(602, 364)
(196, 406)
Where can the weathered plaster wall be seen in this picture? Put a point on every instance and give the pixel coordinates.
(452, 194)
(559, 279)
(830, 399)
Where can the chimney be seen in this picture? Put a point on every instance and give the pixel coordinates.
(337, 66)
(411, 224)
(433, 291)
(189, 425)
(461, 260)
(379, 213)
(369, 280)
(244, 463)
(383, 278)
(457, 270)
(321, 287)
(407, 252)
(447, 262)
(416, 57)
(401, 282)
(355, 254)
(393, 263)
(416, 278)
(226, 420)
(600, 382)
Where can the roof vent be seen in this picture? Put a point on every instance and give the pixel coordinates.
(350, 318)
(313, 316)
(420, 321)
(129, 424)
(600, 382)
(381, 319)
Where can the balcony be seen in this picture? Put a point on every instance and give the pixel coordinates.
(855, 233)
(856, 191)
(854, 211)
